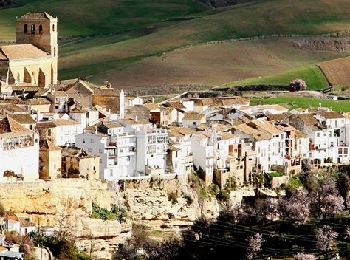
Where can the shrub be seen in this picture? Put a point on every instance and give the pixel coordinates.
(297, 85)
(116, 213)
(172, 196)
(60, 244)
(188, 199)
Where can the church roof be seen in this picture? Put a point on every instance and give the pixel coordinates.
(22, 51)
(36, 15)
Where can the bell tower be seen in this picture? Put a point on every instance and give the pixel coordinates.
(40, 30)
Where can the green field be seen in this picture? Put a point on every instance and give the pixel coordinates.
(312, 74)
(301, 102)
(107, 36)
(91, 18)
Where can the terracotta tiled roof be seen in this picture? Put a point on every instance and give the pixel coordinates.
(277, 117)
(227, 136)
(266, 126)
(36, 15)
(56, 122)
(110, 124)
(331, 115)
(61, 122)
(22, 51)
(39, 101)
(12, 108)
(235, 100)
(193, 116)
(8, 125)
(151, 106)
(203, 101)
(255, 133)
(176, 104)
(23, 118)
(308, 119)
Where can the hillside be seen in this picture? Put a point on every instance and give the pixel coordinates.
(101, 39)
(337, 71)
(217, 64)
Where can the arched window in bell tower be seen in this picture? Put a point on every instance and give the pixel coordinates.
(33, 28)
(25, 28)
(40, 28)
(53, 27)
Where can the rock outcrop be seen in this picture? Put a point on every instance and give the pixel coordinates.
(65, 203)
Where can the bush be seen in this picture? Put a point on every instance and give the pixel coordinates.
(297, 85)
(276, 174)
(116, 213)
(188, 199)
(60, 244)
(172, 196)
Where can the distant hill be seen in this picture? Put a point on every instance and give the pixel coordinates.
(114, 39)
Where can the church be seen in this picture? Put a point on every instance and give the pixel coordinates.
(32, 61)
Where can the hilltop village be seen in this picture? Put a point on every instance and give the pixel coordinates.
(73, 129)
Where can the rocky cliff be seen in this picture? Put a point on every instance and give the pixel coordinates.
(162, 205)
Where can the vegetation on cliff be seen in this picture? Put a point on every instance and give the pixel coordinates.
(116, 213)
(312, 220)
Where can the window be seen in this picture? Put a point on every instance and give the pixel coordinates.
(25, 28)
(40, 28)
(53, 27)
(33, 29)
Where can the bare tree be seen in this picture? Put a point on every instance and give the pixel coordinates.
(254, 245)
(325, 239)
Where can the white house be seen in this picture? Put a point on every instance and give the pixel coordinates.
(193, 119)
(180, 151)
(116, 148)
(61, 131)
(203, 155)
(19, 151)
(152, 149)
